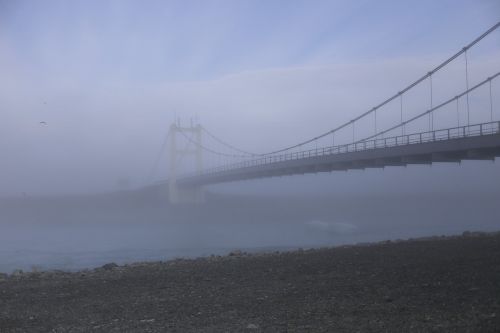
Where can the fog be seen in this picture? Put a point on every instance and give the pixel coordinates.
(89, 89)
(74, 233)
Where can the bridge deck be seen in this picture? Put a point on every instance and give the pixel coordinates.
(474, 142)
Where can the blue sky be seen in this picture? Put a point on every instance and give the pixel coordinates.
(108, 76)
(158, 41)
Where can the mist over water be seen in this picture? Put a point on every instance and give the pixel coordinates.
(79, 232)
(88, 90)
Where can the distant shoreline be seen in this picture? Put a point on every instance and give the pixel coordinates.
(212, 252)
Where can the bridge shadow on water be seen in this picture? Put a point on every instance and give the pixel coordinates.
(78, 232)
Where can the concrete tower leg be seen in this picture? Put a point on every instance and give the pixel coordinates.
(173, 191)
(180, 194)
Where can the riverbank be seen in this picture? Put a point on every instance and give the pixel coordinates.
(439, 283)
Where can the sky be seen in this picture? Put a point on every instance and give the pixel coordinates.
(89, 88)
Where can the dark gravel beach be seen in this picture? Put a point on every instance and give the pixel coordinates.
(438, 284)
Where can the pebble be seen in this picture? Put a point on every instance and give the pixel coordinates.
(109, 266)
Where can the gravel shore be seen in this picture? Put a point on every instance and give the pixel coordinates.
(435, 284)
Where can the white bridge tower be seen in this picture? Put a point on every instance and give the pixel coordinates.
(179, 194)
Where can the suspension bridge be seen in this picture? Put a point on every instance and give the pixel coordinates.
(418, 138)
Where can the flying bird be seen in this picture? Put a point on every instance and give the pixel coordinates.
(43, 123)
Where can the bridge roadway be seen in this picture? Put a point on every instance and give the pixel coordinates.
(474, 142)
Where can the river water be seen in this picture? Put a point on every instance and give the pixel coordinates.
(85, 232)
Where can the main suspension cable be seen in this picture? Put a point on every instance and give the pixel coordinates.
(153, 169)
(210, 150)
(435, 108)
(351, 122)
(227, 144)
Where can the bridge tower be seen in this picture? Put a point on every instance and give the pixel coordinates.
(176, 193)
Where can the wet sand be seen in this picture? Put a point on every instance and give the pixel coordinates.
(436, 284)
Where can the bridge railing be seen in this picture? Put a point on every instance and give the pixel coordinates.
(488, 128)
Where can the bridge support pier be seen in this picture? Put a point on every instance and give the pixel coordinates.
(184, 194)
